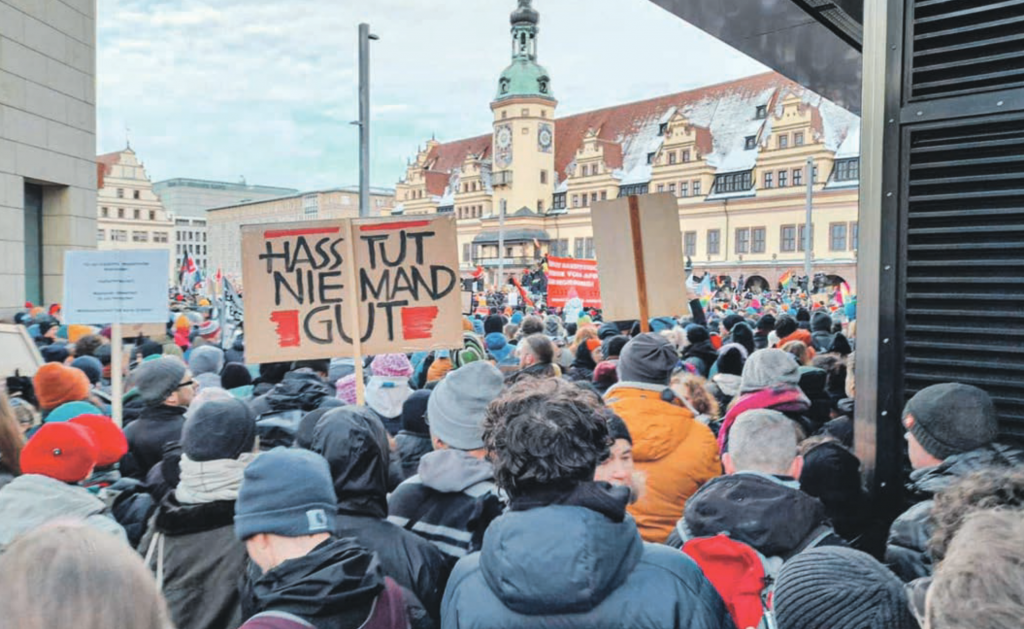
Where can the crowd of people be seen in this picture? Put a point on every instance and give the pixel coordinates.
(547, 473)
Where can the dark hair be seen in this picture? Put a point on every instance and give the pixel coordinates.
(88, 344)
(319, 366)
(988, 488)
(273, 373)
(803, 314)
(531, 325)
(785, 325)
(545, 432)
(540, 346)
(766, 323)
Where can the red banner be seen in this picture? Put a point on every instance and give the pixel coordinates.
(569, 277)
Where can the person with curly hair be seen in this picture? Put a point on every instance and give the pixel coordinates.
(566, 554)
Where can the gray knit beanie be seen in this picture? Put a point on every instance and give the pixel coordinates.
(649, 358)
(206, 359)
(219, 429)
(769, 367)
(156, 379)
(455, 411)
(286, 492)
(839, 588)
(952, 418)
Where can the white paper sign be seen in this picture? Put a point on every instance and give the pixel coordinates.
(124, 286)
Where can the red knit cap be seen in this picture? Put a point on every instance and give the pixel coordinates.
(56, 384)
(64, 451)
(593, 344)
(109, 438)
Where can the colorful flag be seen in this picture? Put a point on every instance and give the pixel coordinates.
(786, 280)
(706, 292)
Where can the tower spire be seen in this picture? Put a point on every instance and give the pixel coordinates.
(524, 77)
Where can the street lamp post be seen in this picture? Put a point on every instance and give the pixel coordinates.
(365, 36)
(808, 239)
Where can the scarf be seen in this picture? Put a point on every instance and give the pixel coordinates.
(210, 481)
(784, 398)
(386, 395)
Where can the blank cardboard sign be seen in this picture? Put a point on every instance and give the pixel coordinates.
(17, 351)
(661, 244)
(301, 279)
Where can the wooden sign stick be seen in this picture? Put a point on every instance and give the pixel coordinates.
(638, 259)
(353, 304)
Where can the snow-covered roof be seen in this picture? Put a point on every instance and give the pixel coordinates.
(850, 146)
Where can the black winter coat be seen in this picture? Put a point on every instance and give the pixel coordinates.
(411, 448)
(156, 427)
(906, 551)
(705, 354)
(355, 445)
(303, 390)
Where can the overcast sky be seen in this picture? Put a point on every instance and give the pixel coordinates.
(220, 89)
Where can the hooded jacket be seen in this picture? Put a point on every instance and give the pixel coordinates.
(302, 389)
(821, 331)
(332, 587)
(583, 366)
(768, 513)
(156, 427)
(701, 355)
(725, 387)
(195, 547)
(411, 448)
(449, 502)
(676, 452)
(356, 447)
(906, 551)
(31, 500)
(566, 565)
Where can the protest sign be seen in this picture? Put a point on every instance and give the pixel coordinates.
(648, 279)
(17, 351)
(310, 286)
(119, 286)
(565, 274)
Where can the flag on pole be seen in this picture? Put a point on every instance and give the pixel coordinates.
(705, 290)
(187, 274)
(786, 280)
(232, 301)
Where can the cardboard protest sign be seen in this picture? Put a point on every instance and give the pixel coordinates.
(566, 274)
(17, 351)
(647, 279)
(310, 286)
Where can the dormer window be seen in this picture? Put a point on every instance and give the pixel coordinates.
(650, 157)
(761, 113)
(503, 86)
(542, 84)
(662, 128)
(751, 142)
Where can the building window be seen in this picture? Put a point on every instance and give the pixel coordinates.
(662, 128)
(594, 169)
(768, 180)
(783, 178)
(757, 244)
(672, 189)
(540, 206)
(543, 176)
(152, 215)
(136, 214)
(800, 244)
(162, 237)
(798, 176)
(101, 234)
(696, 188)
(465, 252)
(347, 200)
(104, 212)
(798, 138)
(787, 238)
(743, 240)
(686, 156)
(120, 193)
(588, 249)
(583, 199)
(714, 241)
(119, 235)
(604, 195)
(504, 115)
(854, 233)
(733, 182)
(140, 236)
(750, 142)
(543, 113)
(593, 197)
(558, 201)
(525, 112)
(684, 189)
(137, 194)
(637, 188)
(526, 130)
(783, 140)
(761, 112)
(575, 200)
(690, 243)
(672, 157)
(814, 174)
(120, 212)
(651, 157)
(577, 247)
(837, 237)
(847, 170)
(661, 187)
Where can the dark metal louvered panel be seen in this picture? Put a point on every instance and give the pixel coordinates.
(960, 47)
(963, 276)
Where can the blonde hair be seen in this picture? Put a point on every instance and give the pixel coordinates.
(798, 349)
(75, 576)
(694, 390)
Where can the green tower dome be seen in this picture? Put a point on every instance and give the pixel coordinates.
(524, 76)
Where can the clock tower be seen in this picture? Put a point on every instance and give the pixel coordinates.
(523, 168)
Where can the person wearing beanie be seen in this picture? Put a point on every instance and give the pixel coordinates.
(91, 367)
(765, 326)
(759, 502)
(286, 515)
(440, 366)
(612, 346)
(53, 463)
(56, 353)
(111, 447)
(743, 335)
(165, 389)
(56, 384)
(388, 388)
(821, 331)
(493, 324)
(499, 349)
(237, 380)
(770, 380)
(452, 499)
(952, 430)
(355, 445)
(588, 354)
(414, 438)
(618, 468)
(209, 331)
(700, 350)
(676, 452)
(206, 363)
(346, 389)
(727, 371)
(605, 375)
(566, 554)
(70, 410)
(729, 322)
(190, 543)
(839, 588)
(831, 473)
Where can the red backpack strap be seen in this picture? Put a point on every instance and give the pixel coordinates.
(389, 609)
(736, 572)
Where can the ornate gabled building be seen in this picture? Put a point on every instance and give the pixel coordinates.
(733, 154)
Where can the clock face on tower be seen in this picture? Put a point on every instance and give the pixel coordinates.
(504, 137)
(544, 137)
(503, 146)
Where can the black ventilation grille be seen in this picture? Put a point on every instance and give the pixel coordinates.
(965, 46)
(963, 288)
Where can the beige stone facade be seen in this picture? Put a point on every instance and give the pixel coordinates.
(733, 154)
(224, 224)
(129, 214)
(47, 144)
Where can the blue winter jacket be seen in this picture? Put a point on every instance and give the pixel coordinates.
(568, 566)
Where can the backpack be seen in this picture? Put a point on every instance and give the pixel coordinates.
(743, 577)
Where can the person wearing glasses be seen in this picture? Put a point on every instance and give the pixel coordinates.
(166, 388)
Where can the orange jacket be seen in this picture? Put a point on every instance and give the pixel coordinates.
(677, 453)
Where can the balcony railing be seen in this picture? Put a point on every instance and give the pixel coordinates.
(502, 178)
